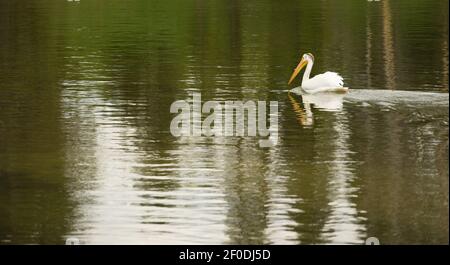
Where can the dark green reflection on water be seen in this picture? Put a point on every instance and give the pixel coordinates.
(85, 148)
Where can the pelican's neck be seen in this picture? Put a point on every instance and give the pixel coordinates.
(309, 66)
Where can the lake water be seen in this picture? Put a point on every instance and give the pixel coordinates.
(86, 151)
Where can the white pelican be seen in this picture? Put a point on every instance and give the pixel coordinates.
(326, 82)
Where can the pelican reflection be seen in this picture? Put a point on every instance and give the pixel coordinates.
(303, 104)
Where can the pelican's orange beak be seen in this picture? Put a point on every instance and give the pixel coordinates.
(297, 70)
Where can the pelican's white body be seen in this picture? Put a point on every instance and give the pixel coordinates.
(322, 82)
(326, 82)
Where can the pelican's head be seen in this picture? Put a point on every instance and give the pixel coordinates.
(306, 59)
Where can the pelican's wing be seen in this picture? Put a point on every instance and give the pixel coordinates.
(328, 79)
(323, 82)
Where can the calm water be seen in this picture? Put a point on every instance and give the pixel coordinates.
(86, 152)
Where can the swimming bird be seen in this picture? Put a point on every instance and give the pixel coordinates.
(326, 82)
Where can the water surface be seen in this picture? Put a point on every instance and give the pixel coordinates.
(86, 152)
